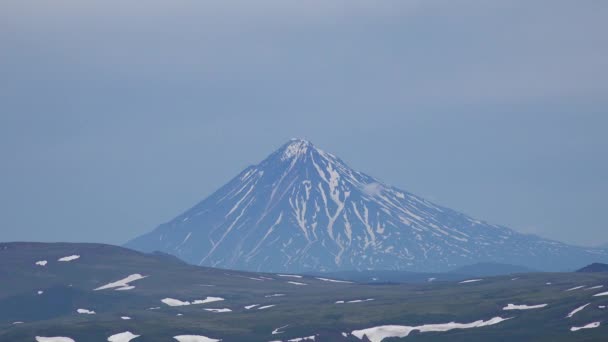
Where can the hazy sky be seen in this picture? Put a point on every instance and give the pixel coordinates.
(115, 116)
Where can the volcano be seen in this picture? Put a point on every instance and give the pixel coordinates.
(303, 209)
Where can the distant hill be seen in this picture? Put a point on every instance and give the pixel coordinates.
(489, 269)
(384, 277)
(595, 267)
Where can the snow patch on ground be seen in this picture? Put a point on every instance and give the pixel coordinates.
(601, 294)
(125, 318)
(335, 281)
(125, 288)
(194, 338)
(219, 310)
(85, 312)
(595, 287)
(470, 281)
(588, 326)
(249, 307)
(54, 339)
(299, 339)
(278, 330)
(576, 288)
(122, 284)
(295, 283)
(290, 275)
(69, 258)
(575, 311)
(523, 307)
(377, 334)
(177, 302)
(275, 295)
(266, 307)
(355, 301)
(122, 337)
(41, 263)
(40, 292)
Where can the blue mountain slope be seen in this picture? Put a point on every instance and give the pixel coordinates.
(303, 209)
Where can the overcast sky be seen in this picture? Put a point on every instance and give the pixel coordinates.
(115, 116)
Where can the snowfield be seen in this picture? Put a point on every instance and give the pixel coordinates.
(122, 337)
(523, 307)
(377, 334)
(122, 284)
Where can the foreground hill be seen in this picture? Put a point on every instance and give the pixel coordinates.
(304, 210)
(92, 292)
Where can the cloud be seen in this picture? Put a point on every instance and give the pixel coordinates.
(373, 189)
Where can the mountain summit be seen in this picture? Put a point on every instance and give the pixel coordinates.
(302, 209)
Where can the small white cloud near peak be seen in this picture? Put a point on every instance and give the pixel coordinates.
(373, 189)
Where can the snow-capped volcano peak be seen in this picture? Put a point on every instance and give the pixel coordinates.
(295, 148)
(303, 209)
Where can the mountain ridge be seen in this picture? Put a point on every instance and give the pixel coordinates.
(303, 209)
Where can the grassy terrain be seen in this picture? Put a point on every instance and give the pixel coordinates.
(306, 309)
